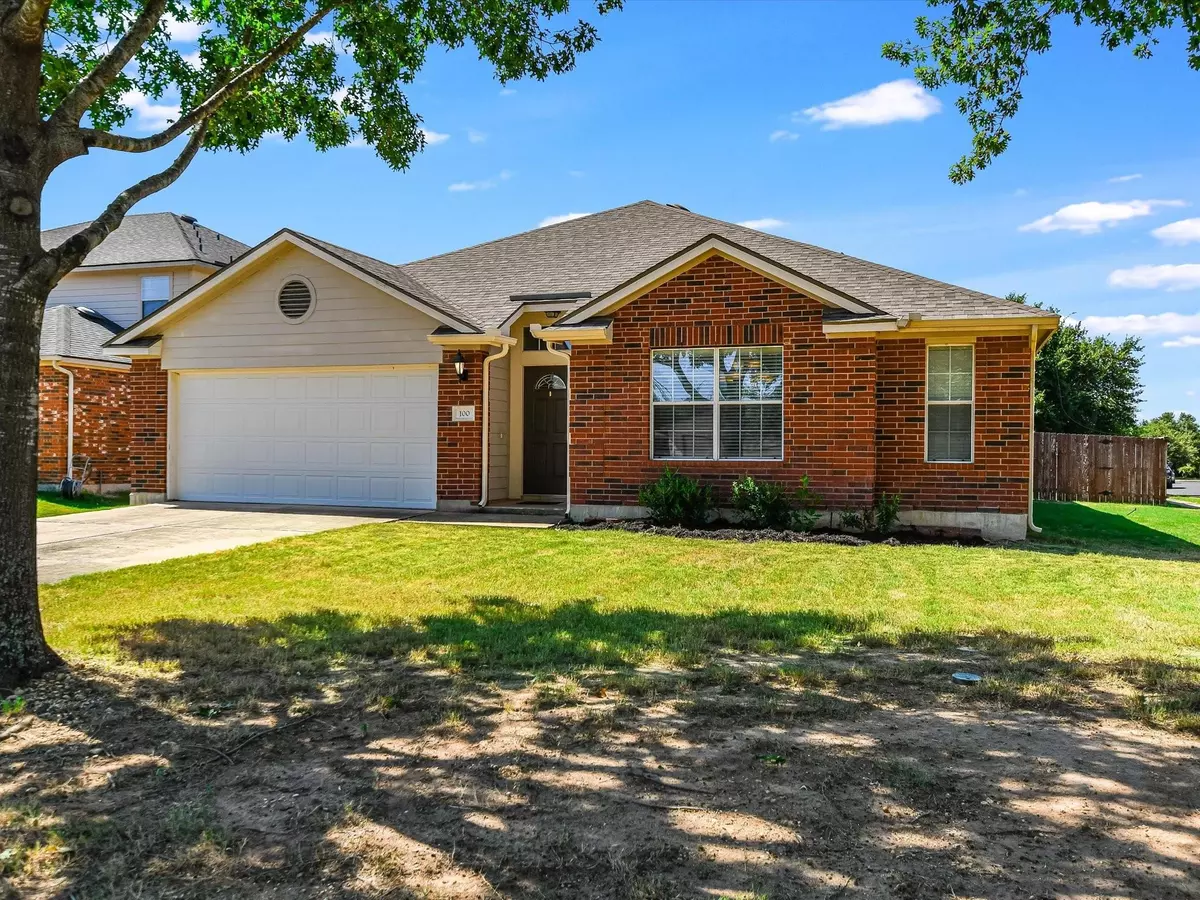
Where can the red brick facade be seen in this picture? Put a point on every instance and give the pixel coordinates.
(460, 444)
(148, 427)
(829, 388)
(101, 424)
(853, 408)
(998, 479)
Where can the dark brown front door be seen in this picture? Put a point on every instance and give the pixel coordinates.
(546, 430)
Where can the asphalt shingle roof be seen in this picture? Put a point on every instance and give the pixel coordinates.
(151, 238)
(599, 252)
(76, 332)
(394, 276)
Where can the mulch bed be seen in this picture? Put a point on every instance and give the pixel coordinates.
(723, 531)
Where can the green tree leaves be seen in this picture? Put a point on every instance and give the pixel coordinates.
(985, 46)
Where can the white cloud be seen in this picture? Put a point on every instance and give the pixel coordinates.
(193, 59)
(783, 135)
(894, 101)
(507, 92)
(1185, 231)
(1090, 217)
(433, 138)
(1188, 340)
(765, 224)
(485, 184)
(183, 32)
(476, 137)
(149, 115)
(1171, 278)
(1137, 323)
(1121, 179)
(556, 220)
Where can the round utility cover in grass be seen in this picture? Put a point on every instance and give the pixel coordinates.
(965, 678)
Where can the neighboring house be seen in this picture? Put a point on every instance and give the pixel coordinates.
(83, 393)
(571, 363)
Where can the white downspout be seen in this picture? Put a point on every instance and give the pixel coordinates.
(70, 417)
(1033, 348)
(486, 375)
(566, 357)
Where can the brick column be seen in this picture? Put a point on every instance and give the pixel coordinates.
(148, 432)
(52, 426)
(459, 444)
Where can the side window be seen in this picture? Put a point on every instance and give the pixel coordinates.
(156, 293)
(950, 404)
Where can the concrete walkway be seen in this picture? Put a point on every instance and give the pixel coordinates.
(82, 543)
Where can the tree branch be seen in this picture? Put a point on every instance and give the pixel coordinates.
(109, 141)
(29, 21)
(96, 82)
(66, 256)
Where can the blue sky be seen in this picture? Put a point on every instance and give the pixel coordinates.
(732, 109)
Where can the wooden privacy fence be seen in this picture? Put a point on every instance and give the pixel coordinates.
(1100, 467)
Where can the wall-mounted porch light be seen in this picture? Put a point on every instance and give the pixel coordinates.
(460, 366)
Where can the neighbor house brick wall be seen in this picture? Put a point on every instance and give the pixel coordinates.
(829, 388)
(101, 424)
(148, 426)
(460, 444)
(998, 479)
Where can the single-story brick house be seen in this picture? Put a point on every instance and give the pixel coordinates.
(571, 363)
(83, 391)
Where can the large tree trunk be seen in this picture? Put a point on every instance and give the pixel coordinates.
(23, 649)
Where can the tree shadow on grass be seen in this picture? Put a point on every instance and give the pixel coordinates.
(516, 751)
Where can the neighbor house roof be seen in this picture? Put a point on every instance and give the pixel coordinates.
(76, 332)
(154, 238)
(599, 252)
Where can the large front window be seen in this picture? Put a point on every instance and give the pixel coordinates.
(717, 403)
(950, 404)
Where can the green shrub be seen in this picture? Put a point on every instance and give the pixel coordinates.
(676, 499)
(763, 504)
(878, 519)
(808, 502)
(887, 512)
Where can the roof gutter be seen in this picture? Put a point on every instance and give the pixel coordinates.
(70, 417)
(487, 408)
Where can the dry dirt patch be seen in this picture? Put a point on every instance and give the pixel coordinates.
(817, 779)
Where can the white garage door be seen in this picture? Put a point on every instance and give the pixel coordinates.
(331, 437)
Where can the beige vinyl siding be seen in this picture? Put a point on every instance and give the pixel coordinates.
(352, 324)
(117, 293)
(499, 390)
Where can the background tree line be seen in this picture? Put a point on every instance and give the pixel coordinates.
(1091, 384)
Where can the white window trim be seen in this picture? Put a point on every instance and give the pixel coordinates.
(717, 403)
(974, 363)
(312, 293)
(142, 301)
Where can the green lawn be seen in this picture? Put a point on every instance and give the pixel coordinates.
(1103, 583)
(49, 504)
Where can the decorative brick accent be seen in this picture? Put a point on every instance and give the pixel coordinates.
(101, 424)
(148, 427)
(998, 479)
(460, 444)
(829, 388)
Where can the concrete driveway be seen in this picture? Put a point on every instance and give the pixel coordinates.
(81, 543)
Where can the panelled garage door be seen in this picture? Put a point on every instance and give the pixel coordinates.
(332, 437)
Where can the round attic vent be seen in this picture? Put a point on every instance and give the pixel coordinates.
(295, 299)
